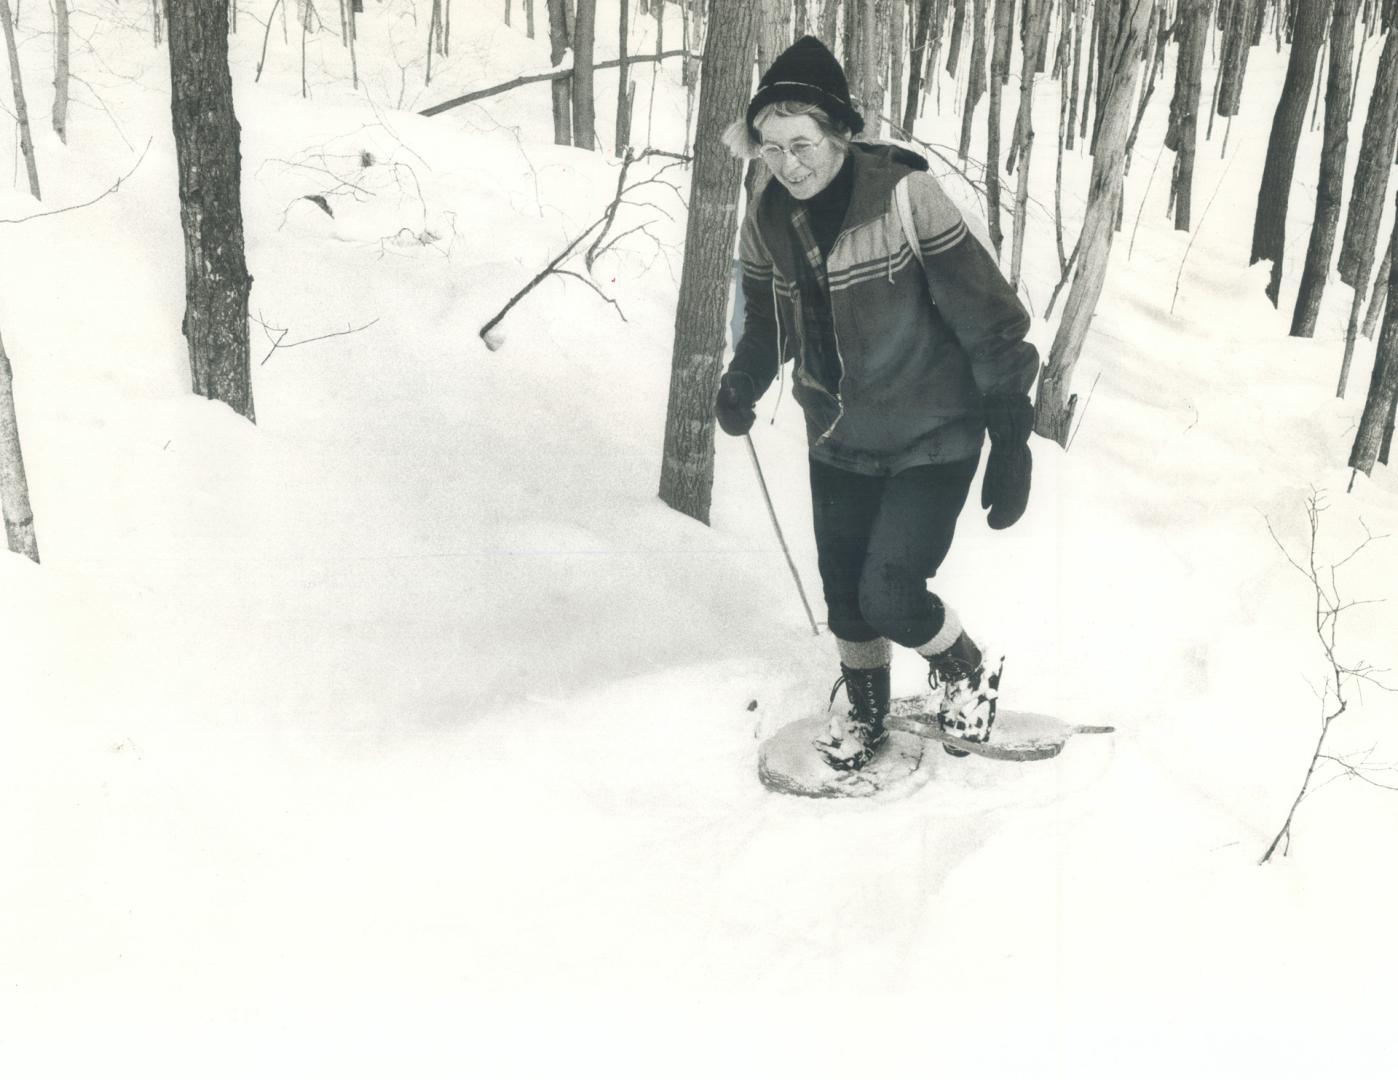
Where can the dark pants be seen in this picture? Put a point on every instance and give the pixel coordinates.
(879, 538)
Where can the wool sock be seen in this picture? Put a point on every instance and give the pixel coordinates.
(865, 654)
(946, 637)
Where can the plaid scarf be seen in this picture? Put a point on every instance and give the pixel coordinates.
(818, 351)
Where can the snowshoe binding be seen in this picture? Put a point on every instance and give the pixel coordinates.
(854, 738)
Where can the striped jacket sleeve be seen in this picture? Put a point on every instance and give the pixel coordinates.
(971, 294)
(755, 353)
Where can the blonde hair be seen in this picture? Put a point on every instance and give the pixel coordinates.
(738, 138)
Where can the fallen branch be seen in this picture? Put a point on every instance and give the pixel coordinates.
(604, 223)
(546, 76)
(281, 336)
(84, 205)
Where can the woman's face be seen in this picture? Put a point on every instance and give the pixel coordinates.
(800, 155)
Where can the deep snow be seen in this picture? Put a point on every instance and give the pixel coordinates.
(407, 733)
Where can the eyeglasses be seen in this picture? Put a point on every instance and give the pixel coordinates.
(803, 150)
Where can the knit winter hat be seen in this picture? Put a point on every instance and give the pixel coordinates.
(807, 72)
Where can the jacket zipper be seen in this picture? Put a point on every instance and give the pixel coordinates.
(835, 333)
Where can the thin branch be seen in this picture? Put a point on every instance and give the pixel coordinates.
(319, 337)
(83, 205)
(1197, 230)
(545, 76)
(594, 287)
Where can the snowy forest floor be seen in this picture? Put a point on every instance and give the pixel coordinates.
(408, 733)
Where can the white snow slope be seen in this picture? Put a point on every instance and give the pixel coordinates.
(407, 733)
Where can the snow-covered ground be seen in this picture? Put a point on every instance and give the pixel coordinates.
(407, 733)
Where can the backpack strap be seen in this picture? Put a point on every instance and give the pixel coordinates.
(903, 203)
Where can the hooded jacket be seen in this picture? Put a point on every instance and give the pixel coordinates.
(916, 351)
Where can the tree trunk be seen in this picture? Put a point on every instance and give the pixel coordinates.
(999, 75)
(14, 488)
(625, 91)
(976, 86)
(1379, 295)
(529, 18)
(562, 89)
(687, 466)
(1093, 62)
(1037, 12)
(1182, 135)
(60, 69)
(1056, 405)
(896, 50)
(1155, 40)
(207, 140)
(1237, 44)
(773, 31)
(922, 40)
(26, 143)
(584, 112)
(829, 20)
(1376, 420)
(866, 45)
(1269, 223)
(1369, 189)
(353, 37)
(958, 31)
(1078, 35)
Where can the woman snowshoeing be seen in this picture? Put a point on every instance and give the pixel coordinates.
(902, 361)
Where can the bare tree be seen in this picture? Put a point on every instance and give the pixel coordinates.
(562, 91)
(1035, 31)
(625, 88)
(922, 42)
(687, 465)
(14, 488)
(866, 58)
(999, 75)
(60, 68)
(1269, 223)
(976, 85)
(207, 150)
(829, 16)
(1327, 607)
(1056, 404)
(26, 143)
(584, 110)
(1376, 424)
(1330, 187)
(896, 49)
(1079, 32)
(958, 31)
(1368, 191)
(773, 30)
(1182, 135)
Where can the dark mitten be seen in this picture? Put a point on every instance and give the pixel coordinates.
(1009, 419)
(734, 405)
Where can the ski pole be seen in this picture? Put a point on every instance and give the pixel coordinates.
(780, 538)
